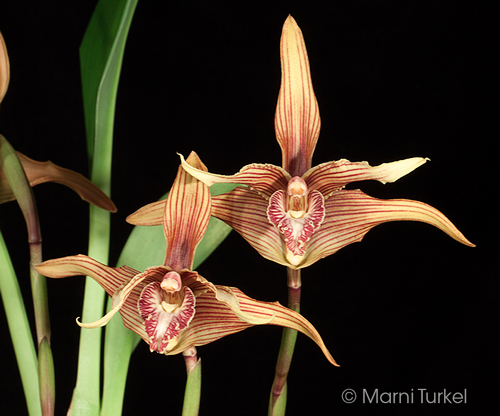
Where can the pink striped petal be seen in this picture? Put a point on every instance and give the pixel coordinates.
(263, 178)
(351, 214)
(186, 216)
(331, 176)
(246, 212)
(297, 122)
(214, 320)
(41, 172)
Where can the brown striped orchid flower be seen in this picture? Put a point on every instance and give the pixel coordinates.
(172, 307)
(297, 214)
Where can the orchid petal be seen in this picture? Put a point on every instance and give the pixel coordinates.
(120, 283)
(263, 178)
(297, 122)
(351, 214)
(41, 172)
(226, 295)
(4, 68)
(199, 285)
(110, 278)
(151, 214)
(214, 320)
(186, 216)
(332, 176)
(246, 212)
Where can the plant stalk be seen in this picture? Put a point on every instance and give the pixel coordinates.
(193, 384)
(277, 400)
(21, 187)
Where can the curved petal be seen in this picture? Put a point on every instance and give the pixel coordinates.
(110, 278)
(40, 172)
(214, 320)
(351, 214)
(123, 296)
(246, 212)
(151, 214)
(332, 176)
(263, 178)
(4, 68)
(186, 216)
(297, 122)
(199, 285)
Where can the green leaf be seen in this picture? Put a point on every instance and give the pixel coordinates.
(101, 55)
(20, 333)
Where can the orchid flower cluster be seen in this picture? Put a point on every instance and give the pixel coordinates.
(294, 214)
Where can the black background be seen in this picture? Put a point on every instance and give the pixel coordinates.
(407, 308)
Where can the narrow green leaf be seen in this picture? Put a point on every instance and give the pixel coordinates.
(101, 55)
(20, 333)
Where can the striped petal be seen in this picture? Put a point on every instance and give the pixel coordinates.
(297, 122)
(110, 278)
(351, 214)
(263, 178)
(246, 212)
(41, 172)
(151, 214)
(214, 320)
(329, 177)
(186, 216)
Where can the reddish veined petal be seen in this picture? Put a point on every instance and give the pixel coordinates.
(331, 176)
(110, 278)
(351, 214)
(151, 214)
(246, 212)
(297, 122)
(214, 320)
(263, 178)
(186, 216)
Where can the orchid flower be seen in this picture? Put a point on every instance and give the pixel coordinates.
(297, 214)
(172, 307)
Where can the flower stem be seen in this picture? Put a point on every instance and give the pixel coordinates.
(277, 401)
(20, 332)
(21, 187)
(193, 384)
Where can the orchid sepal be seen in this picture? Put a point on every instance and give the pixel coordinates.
(42, 172)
